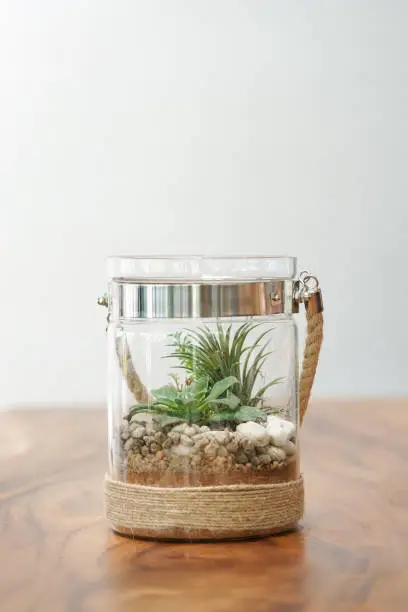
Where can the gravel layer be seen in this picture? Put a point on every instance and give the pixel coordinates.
(148, 446)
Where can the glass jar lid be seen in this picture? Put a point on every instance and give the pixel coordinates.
(200, 268)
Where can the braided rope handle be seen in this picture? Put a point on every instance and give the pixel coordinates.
(133, 380)
(314, 339)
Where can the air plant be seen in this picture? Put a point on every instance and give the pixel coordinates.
(220, 354)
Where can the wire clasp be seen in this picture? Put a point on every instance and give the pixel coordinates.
(306, 289)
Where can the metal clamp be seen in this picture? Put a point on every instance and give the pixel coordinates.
(306, 289)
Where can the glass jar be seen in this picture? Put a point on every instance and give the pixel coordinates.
(203, 393)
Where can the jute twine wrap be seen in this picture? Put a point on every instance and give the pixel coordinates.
(236, 509)
(229, 511)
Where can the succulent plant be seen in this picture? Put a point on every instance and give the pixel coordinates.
(199, 402)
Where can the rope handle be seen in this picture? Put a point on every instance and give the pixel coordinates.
(307, 290)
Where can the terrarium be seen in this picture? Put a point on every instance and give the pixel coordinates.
(203, 400)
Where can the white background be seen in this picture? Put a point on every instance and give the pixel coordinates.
(221, 126)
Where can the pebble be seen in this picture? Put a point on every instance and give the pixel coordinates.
(221, 436)
(211, 450)
(247, 446)
(280, 430)
(128, 444)
(124, 428)
(264, 459)
(179, 428)
(174, 436)
(241, 457)
(262, 442)
(276, 453)
(184, 439)
(255, 461)
(290, 448)
(201, 443)
(159, 437)
(251, 447)
(181, 450)
(199, 436)
(233, 446)
(195, 460)
(190, 430)
(220, 463)
(138, 432)
(251, 429)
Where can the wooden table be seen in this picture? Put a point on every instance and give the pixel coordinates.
(57, 554)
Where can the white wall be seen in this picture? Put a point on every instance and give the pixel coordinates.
(222, 126)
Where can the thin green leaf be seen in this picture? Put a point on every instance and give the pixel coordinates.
(222, 416)
(167, 394)
(232, 401)
(249, 413)
(221, 386)
(262, 390)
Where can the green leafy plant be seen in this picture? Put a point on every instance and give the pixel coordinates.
(219, 354)
(199, 402)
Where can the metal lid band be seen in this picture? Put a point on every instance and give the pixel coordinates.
(132, 301)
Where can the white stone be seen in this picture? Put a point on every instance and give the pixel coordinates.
(280, 430)
(181, 450)
(251, 429)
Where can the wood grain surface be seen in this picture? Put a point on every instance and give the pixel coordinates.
(57, 554)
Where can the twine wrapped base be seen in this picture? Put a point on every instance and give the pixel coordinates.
(203, 513)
